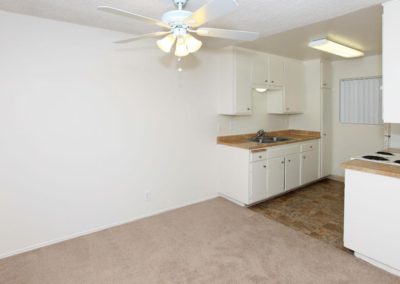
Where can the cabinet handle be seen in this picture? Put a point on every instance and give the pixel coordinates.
(265, 166)
(287, 108)
(260, 157)
(310, 147)
(282, 162)
(272, 81)
(248, 108)
(289, 161)
(324, 134)
(304, 157)
(266, 81)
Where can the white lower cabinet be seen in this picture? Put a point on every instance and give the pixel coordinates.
(248, 178)
(275, 176)
(309, 166)
(292, 171)
(258, 182)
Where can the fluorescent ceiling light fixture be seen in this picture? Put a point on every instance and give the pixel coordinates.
(261, 90)
(335, 48)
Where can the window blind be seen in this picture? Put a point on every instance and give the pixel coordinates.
(361, 100)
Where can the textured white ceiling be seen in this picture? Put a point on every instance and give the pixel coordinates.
(361, 30)
(265, 16)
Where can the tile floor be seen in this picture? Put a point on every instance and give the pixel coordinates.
(316, 210)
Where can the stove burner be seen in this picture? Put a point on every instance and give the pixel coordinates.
(376, 158)
(385, 153)
(397, 162)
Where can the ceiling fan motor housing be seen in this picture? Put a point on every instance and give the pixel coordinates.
(176, 17)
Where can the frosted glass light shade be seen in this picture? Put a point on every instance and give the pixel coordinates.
(181, 48)
(166, 43)
(335, 48)
(192, 43)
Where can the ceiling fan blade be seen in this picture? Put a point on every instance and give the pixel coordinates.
(211, 11)
(151, 35)
(133, 16)
(228, 34)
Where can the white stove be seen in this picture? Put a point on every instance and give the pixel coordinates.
(383, 157)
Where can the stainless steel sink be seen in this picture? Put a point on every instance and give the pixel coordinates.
(268, 139)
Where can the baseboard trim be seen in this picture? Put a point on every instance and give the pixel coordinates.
(378, 264)
(336, 178)
(98, 229)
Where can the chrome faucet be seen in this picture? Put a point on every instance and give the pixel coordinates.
(260, 133)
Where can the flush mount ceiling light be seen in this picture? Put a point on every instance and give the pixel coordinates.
(179, 25)
(335, 48)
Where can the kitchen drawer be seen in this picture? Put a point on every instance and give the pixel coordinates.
(310, 146)
(258, 155)
(280, 151)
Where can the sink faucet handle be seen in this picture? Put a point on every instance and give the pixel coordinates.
(260, 133)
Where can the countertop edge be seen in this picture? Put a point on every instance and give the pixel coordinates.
(373, 168)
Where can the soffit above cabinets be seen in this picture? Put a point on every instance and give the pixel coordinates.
(265, 16)
(361, 30)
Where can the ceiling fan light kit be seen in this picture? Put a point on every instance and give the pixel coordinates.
(181, 24)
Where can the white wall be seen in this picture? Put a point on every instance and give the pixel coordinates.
(395, 135)
(87, 127)
(350, 140)
(232, 125)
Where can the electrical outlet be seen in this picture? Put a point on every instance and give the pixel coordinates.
(147, 195)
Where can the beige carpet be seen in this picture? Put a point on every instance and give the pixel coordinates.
(211, 242)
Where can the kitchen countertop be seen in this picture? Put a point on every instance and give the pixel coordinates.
(242, 141)
(373, 167)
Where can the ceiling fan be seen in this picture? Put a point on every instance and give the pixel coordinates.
(180, 24)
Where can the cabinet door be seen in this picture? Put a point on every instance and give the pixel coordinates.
(326, 139)
(275, 176)
(258, 181)
(259, 74)
(326, 75)
(309, 166)
(294, 86)
(276, 70)
(243, 90)
(292, 171)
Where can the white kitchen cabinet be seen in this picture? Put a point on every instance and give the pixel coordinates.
(276, 70)
(267, 70)
(247, 177)
(275, 176)
(259, 73)
(309, 166)
(235, 93)
(289, 99)
(292, 171)
(391, 61)
(326, 131)
(326, 75)
(258, 182)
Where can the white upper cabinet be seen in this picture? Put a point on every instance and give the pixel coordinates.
(235, 82)
(259, 74)
(242, 70)
(391, 62)
(276, 70)
(288, 99)
(267, 70)
(294, 86)
(326, 75)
